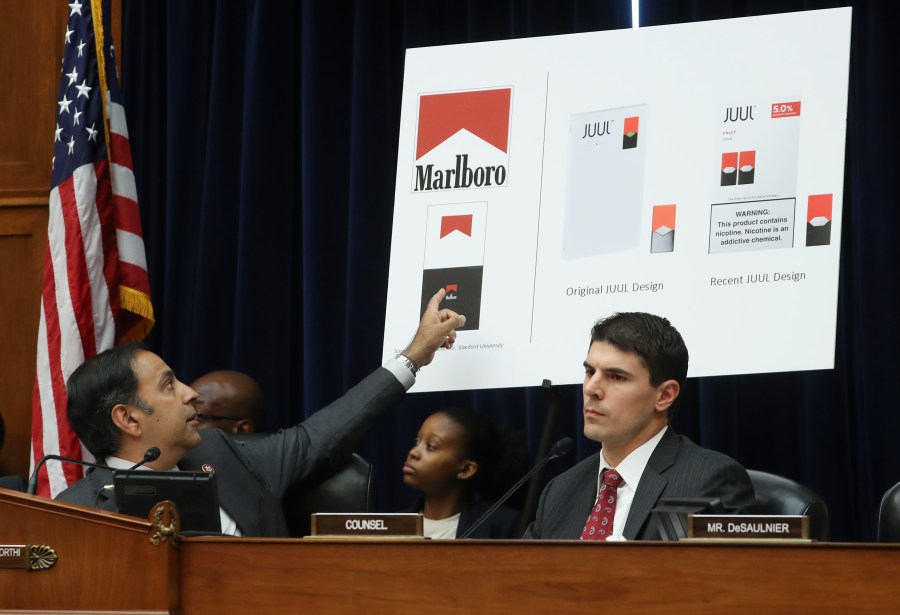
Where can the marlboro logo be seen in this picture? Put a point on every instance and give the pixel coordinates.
(462, 140)
(452, 290)
(463, 224)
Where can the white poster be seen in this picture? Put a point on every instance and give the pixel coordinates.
(693, 171)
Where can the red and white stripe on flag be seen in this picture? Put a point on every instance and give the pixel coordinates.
(96, 291)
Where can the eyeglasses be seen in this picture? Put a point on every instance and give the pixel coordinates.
(208, 418)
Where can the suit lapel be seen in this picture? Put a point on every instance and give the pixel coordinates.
(239, 499)
(106, 498)
(583, 497)
(653, 481)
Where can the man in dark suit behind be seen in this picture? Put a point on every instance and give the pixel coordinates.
(634, 371)
(229, 400)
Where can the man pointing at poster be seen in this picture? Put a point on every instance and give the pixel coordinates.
(126, 400)
(634, 370)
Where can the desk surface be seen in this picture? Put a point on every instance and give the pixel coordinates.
(322, 576)
(107, 563)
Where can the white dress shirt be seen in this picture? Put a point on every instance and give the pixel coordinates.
(630, 469)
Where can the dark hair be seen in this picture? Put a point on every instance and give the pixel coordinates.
(652, 338)
(93, 389)
(481, 442)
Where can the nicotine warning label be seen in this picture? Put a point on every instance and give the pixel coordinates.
(755, 225)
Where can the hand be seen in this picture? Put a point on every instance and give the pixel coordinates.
(436, 330)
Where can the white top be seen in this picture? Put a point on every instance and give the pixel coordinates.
(441, 528)
(630, 469)
(228, 524)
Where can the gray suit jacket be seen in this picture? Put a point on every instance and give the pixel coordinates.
(253, 476)
(677, 467)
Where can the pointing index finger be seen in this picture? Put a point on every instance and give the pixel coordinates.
(436, 300)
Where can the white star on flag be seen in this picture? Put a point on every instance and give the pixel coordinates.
(64, 104)
(92, 133)
(76, 8)
(83, 89)
(71, 145)
(77, 115)
(73, 76)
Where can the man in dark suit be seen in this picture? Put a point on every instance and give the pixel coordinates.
(126, 400)
(634, 371)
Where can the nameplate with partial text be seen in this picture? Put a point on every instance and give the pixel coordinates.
(27, 557)
(769, 527)
(388, 525)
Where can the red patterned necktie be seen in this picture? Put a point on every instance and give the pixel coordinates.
(599, 524)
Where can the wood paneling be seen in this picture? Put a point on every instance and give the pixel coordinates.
(469, 576)
(105, 563)
(23, 235)
(31, 45)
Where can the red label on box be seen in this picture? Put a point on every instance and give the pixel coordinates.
(786, 109)
(818, 206)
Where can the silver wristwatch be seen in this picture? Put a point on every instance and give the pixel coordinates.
(409, 363)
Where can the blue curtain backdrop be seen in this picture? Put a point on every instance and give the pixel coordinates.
(265, 140)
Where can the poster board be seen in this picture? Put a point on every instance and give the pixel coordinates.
(693, 171)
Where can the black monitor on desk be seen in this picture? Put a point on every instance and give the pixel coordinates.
(193, 493)
(670, 516)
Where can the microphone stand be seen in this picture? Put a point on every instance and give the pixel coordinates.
(529, 507)
(560, 448)
(152, 454)
(31, 489)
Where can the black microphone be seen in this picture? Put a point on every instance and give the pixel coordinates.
(559, 449)
(31, 489)
(152, 454)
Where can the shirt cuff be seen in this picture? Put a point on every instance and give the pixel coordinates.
(401, 372)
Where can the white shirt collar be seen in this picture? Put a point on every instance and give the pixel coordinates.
(117, 463)
(632, 467)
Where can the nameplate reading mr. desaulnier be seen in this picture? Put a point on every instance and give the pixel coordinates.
(793, 527)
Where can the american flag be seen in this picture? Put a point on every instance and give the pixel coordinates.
(95, 292)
